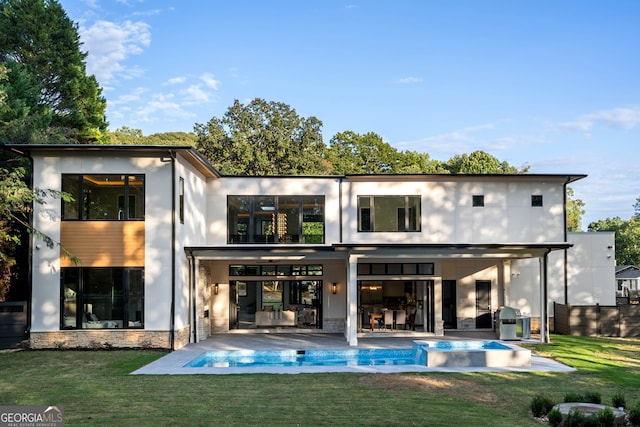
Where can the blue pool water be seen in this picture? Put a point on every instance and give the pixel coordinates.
(262, 358)
(462, 345)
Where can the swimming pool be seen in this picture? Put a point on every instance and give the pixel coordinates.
(426, 353)
(282, 358)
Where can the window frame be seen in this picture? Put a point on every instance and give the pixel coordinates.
(537, 201)
(410, 214)
(125, 202)
(262, 219)
(81, 297)
(477, 200)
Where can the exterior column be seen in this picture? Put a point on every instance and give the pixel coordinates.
(544, 304)
(351, 329)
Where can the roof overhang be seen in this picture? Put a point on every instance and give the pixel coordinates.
(390, 250)
(189, 153)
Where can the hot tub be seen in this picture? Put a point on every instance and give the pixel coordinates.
(492, 354)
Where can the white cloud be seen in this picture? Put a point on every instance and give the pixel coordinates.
(161, 107)
(195, 94)
(210, 81)
(626, 118)
(109, 45)
(409, 80)
(175, 81)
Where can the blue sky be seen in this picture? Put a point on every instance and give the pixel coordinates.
(545, 83)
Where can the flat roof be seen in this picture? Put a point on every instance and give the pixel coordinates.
(189, 153)
(194, 157)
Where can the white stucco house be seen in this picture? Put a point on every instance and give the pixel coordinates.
(171, 252)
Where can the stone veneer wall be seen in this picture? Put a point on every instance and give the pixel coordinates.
(108, 338)
(333, 325)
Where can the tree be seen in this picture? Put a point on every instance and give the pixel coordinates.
(16, 200)
(575, 210)
(352, 153)
(480, 162)
(262, 138)
(627, 238)
(38, 35)
(130, 136)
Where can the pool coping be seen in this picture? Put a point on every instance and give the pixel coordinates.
(173, 363)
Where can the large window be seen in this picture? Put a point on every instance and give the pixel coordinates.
(102, 298)
(104, 197)
(389, 213)
(275, 219)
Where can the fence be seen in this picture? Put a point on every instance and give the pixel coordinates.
(13, 323)
(597, 320)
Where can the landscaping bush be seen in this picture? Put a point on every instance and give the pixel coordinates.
(554, 417)
(606, 417)
(572, 397)
(592, 397)
(578, 419)
(541, 405)
(618, 400)
(634, 415)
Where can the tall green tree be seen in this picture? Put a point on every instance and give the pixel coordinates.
(575, 210)
(262, 138)
(480, 162)
(353, 153)
(40, 37)
(627, 237)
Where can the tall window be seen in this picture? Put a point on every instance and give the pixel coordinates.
(388, 213)
(102, 298)
(104, 197)
(275, 219)
(181, 200)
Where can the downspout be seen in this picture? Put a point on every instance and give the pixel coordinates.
(172, 318)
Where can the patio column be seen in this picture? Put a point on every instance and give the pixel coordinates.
(351, 327)
(544, 304)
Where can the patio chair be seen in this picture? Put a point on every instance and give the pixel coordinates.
(401, 319)
(388, 319)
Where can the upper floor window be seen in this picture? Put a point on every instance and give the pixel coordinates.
(388, 213)
(104, 197)
(477, 200)
(536, 200)
(275, 219)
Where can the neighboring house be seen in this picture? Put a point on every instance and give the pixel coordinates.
(627, 280)
(172, 252)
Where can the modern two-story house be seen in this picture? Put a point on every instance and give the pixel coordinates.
(171, 252)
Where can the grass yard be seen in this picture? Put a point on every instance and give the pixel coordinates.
(95, 388)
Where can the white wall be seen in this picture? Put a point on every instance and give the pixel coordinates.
(46, 265)
(592, 268)
(447, 214)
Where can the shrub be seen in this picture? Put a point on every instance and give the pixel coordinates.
(606, 417)
(592, 397)
(618, 400)
(555, 417)
(541, 405)
(572, 397)
(634, 415)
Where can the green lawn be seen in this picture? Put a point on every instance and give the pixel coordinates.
(95, 388)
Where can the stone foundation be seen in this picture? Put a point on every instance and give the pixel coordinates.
(97, 339)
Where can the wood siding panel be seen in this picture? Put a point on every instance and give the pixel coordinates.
(103, 243)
